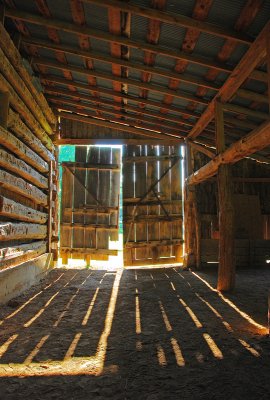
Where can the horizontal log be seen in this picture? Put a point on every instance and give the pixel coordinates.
(154, 243)
(255, 141)
(131, 201)
(15, 255)
(202, 149)
(253, 96)
(13, 144)
(18, 84)
(89, 166)
(20, 230)
(234, 108)
(20, 186)
(16, 125)
(139, 159)
(112, 141)
(14, 210)
(87, 250)
(15, 59)
(11, 163)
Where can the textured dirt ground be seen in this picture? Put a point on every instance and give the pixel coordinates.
(136, 334)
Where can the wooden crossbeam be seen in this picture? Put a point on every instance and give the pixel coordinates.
(89, 166)
(154, 243)
(254, 55)
(111, 38)
(174, 19)
(255, 141)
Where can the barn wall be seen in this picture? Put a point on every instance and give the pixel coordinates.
(252, 211)
(28, 175)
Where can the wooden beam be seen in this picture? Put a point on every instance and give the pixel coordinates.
(13, 144)
(268, 67)
(234, 108)
(131, 82)
(88, 250)
(15, 255)
(226, 269)
(174, 19)
(153, 243)
(104, 227)
(109, 37)
(142, 218)
(14, 210)
(20, 186)
(254, 55)
(253, 96)
(13, 164)
(110, 141)
(91, 55)
(139, 159)
(4, 108)
(124, 107)
(255, 141)
(79, 107)
(119, 126)
(202, 149)
(20, 230)
(93, 167)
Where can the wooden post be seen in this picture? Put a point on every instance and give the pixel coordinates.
(226, 271)
(50, 187)
(4, 107)
(268, 66)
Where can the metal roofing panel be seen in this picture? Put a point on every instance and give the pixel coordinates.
(171, 36)
(139, 26)
(208, 45)
(96, 17)
(225, 13)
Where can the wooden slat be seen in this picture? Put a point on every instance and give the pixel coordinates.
(14, 210)
(89, 166)
(154, 243)
(13, 231)
(13, 164)
(89, 250)
(18, 185)
(4, 101)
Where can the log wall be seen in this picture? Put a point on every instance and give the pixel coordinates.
(28, 165)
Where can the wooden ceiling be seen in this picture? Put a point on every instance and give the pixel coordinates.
(153, 68)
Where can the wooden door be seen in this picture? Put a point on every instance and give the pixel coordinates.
(152, 204)
(90, 203)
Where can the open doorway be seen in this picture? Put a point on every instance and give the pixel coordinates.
(90, 206)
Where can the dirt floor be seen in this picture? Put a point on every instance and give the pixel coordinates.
(136, 334)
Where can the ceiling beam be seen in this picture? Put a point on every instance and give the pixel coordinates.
(62, 102)
(174, 19)
(254, 55)
(91, 55)
(118, 126)
(98, 34)
(255, 141)
(98, 100)
(131, 82)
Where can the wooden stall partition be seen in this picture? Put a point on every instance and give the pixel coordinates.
(152, 204)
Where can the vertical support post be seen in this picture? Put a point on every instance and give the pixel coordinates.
(226, 270)
(2, 14)
(192, 256)
(50, 187)
(268, 66)
(4, 108)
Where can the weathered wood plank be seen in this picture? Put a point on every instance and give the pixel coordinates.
(18, 185)
(13, 256)
(153, 243)
(14, 231)
(13, 144)
(19, 167)
(16, 125)
(89, 250)
(18, 84)
(14, 56)
(14, 210)
(4, 107)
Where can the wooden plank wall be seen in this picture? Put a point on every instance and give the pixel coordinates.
(28, 168)
(90, 203)
(151, 237)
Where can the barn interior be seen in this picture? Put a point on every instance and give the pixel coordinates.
(134, 199)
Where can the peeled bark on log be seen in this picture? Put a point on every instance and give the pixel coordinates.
(15, 59)
(14, 210)
(16, 125)
(24, 152)
(9, 162)
(14, 231)
(18, 185)
(13, 256)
